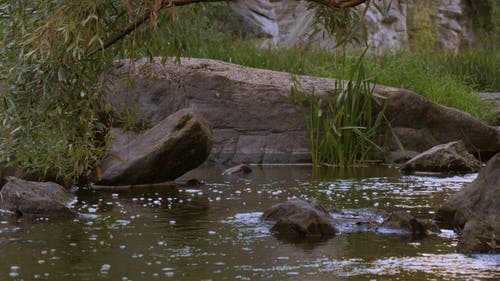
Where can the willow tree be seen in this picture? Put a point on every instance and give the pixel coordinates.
(54, 117)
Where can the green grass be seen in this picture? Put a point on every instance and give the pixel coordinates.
(446, 78)
(479, 68)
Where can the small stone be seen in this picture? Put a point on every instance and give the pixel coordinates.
(41, 199)
(452, 157)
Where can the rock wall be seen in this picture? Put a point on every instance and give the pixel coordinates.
(288, 23)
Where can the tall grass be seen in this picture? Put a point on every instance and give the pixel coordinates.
(343, 125)
(429, 76)
(478, 68)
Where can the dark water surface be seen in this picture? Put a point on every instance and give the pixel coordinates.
(213, 232)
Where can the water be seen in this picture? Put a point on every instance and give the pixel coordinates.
(213, 232)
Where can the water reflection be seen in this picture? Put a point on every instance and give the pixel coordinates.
(213, 232)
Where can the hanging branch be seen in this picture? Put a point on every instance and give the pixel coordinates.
(339, 4)
(334, 4)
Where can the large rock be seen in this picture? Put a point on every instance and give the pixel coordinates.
(451, 157)
(28, 198)
(475, 210)
(176, 145)
(254, 120)
(300, 218)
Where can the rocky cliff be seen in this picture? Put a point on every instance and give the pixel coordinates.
(401, 24)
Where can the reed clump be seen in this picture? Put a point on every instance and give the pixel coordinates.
(343, 126)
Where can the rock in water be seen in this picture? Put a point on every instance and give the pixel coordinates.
(452, 157)
(178, 144)
(475, 210)
(300, 218)
(403, 222)
(28, 198)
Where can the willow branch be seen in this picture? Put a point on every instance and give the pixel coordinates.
(336, 4)
(339, 4)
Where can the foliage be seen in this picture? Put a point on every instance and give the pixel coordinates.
(424, 30)
(478, 68)
(485, 15)
(346, 25)
(343, 125)
(424, 74)
(53, 113)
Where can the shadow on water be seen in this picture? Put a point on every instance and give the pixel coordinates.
(213, 231)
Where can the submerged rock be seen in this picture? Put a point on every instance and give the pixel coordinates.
(475, 210)
(28, 198)
(358, 220)
(300, 218)
(452, 157)
(176, 145)
(255, 120)
(239, 169)
(404, 223)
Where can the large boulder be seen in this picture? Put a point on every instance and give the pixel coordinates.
(255, 121)
(300, 218)
(475, 210)
(451, 157)
(28, 198)
(176, 145)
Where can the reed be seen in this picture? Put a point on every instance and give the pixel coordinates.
(343, 126)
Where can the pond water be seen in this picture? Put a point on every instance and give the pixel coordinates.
(213, 231)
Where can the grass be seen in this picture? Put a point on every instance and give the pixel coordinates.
(342, 126)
